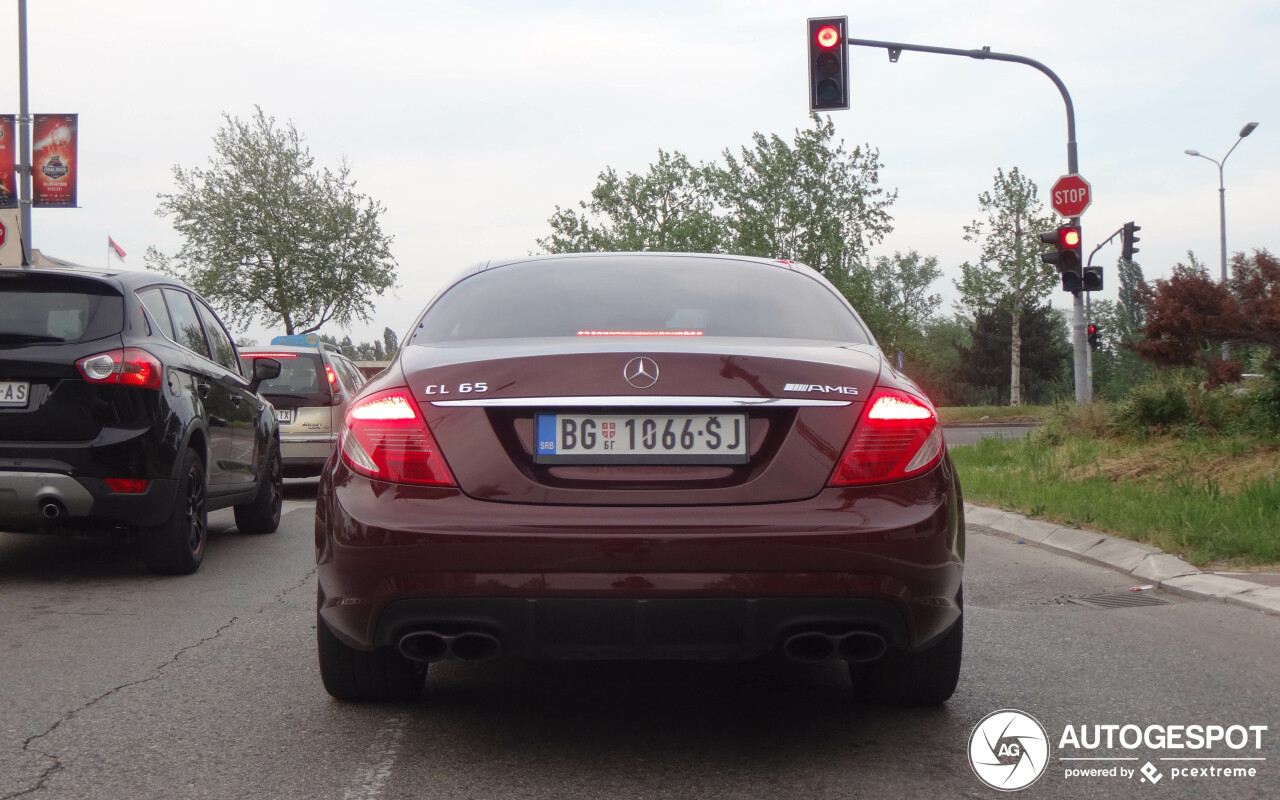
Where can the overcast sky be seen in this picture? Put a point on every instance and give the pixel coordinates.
(471, 121)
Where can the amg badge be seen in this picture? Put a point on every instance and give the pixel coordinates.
(814, 387)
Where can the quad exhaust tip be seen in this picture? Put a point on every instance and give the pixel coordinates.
(430, 646)
(855, 647)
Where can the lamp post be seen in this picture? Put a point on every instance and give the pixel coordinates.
(1222, 210)
(1222, 192)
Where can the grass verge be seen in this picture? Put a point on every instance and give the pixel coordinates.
(1211, 500)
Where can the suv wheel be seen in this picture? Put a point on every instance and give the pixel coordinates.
(351, 674)
(262, 514)
(913, 679)
(176, 546)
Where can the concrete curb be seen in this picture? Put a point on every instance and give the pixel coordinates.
(1144, 562)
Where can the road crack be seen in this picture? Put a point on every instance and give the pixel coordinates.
(56, 765)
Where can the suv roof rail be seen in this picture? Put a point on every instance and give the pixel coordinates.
(332, 348)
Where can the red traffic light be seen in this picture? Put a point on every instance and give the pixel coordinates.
(1069, 237)
(1093, 329)
(828, 36)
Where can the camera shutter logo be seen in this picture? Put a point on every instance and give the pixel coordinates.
(1009, 750)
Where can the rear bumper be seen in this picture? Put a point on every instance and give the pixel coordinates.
(37, 501)
(305, 455)
(650, 629)
(639, 582)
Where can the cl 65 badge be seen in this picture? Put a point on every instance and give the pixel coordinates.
(462, 388)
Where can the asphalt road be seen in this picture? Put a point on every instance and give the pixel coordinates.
(117, 684)
(970, 433)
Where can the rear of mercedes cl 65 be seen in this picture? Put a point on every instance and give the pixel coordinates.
(640, 456)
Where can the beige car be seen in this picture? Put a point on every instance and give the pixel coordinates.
(311, 395)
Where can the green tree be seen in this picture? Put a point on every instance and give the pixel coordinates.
(1116, 368)
(1045, 342)
(900, 284)
(267, 235)
(813, 201)
(1009, 276)
(669, 208)
(389, 343)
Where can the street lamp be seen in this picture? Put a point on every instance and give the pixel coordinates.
(1222, 193)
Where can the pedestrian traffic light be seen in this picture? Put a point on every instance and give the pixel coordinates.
(828, 64)
(1093, 337)
(1129, 240)
(1066, 256)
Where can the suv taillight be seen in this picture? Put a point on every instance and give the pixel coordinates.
(333, 379)
(897, 437)
(385, 437)
(128, 367)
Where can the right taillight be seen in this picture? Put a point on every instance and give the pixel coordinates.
(385, 437)
(897, 437)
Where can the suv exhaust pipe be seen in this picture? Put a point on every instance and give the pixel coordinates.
(51, 508)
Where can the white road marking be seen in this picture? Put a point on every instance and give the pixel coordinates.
(371, 779)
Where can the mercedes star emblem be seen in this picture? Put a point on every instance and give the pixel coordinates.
(641, 372)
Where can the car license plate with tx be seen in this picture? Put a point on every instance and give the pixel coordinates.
(284, 415)
(641, 439)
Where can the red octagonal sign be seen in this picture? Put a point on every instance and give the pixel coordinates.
(1070, 195)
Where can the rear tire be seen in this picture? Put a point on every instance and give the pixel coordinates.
(262, 514)
(176, 546)
(359, 676)
(913, 679)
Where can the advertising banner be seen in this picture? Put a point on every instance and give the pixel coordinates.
(8, 162)
(53, 160)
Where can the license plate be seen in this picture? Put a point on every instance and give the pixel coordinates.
(641, 439)
(14, 394)
(284, 415)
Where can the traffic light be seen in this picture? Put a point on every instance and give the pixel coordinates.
(828, 64)
(1129, 240)
(1093, 337)
(1091, 281)
(1066, 256)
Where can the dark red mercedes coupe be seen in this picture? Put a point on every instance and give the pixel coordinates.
(640, 456)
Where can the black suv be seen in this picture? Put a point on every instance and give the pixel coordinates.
(124, 409)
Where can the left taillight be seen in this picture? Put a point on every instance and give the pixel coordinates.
(128, 367)
(385, 437)
(897, 437)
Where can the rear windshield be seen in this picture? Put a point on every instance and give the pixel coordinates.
(578, 297)
(37, 309)
(301, 375)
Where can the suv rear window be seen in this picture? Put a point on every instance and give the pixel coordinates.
(301, 376)
(55, 309)
(563, 298)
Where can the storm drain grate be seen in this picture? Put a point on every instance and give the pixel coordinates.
(1126, 600)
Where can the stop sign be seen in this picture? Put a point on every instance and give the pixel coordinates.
(1070, 195)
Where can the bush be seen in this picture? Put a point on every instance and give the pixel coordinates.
(1177, 403)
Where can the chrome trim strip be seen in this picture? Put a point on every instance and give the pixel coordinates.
(637, 401)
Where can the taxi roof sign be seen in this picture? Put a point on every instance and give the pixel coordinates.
(298, 340)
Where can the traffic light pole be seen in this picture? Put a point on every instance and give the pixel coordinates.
(1079, 344)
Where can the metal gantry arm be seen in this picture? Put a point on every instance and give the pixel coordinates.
(1083, 379)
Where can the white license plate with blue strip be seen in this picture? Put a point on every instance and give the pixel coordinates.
(641, 439)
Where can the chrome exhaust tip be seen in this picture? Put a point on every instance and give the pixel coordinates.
(424, 646)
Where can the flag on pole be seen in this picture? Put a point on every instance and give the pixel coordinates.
(117, 249)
